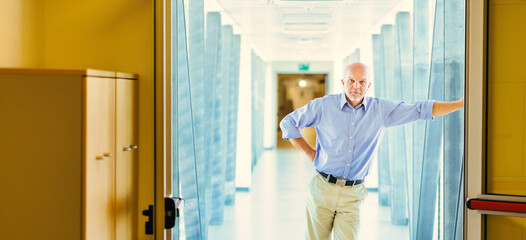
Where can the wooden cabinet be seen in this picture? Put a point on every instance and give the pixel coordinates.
(99, 165)
(126, 161)
(68, 154)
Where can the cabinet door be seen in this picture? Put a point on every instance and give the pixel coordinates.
(99, 171)
(126, 185)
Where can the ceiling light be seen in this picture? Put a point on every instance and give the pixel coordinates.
(304, 40)
(311, 1)
(306, 23)
(302, 83)
(306, 32)
(302, 3)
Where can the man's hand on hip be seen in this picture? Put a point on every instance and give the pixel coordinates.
(304, 146)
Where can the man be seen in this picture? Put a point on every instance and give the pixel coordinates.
(349, 127)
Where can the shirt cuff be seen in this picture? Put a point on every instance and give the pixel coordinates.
(426, 112)
(289, 130)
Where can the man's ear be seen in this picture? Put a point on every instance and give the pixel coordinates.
(342, 82)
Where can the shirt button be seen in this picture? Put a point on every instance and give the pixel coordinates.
(351, 137)
(352, 123)
(347, 165)
(354, 110)
(350, 150)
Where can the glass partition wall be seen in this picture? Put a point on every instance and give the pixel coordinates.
(205, 96)
(418, 57)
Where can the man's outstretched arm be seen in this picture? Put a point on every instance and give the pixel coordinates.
(441, 108)
(304, 146)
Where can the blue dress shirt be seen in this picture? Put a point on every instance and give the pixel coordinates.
(346, 136)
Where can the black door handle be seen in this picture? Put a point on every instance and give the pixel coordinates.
(172, 205)
(148, 225)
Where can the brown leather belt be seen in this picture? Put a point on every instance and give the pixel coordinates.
(340, 182)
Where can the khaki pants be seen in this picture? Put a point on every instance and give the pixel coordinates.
(331, 208)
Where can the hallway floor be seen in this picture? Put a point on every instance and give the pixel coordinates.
(274, 208)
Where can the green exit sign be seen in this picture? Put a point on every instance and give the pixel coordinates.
(303, 66)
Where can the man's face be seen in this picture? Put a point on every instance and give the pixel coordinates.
(355, 83)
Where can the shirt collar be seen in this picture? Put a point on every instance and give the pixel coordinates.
(343, 101)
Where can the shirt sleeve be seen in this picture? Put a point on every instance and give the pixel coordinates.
(397, 113)
(306, 116)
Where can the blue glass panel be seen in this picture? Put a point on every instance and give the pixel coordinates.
(404, 38)
(185, 132)
(395, 135)
(226, 75)
(346, 61)
(230, 184)
(355, 56)
(352, 58)
(433, 137)
(196, 62)
(454, 50)
(220, 130)
(421, 85)
(387, 35)
(382, 154)
(237, 64)
(253, 59)
(212, 59)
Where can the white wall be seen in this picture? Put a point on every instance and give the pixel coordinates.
(244, 121)
(270, 107)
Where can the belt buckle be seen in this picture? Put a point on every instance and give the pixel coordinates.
(340, 182)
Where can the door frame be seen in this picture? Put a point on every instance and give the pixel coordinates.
(163, 112)
(475, 122)
(475, 114)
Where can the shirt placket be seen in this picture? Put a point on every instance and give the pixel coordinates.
(352, 141)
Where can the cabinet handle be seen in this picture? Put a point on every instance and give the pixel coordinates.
(99, 157)
(134, 146)
(108, 155)
(126, 148)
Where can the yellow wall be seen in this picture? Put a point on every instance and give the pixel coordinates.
(509, 228)
(506, 167)
(20, 33)
(112, 35)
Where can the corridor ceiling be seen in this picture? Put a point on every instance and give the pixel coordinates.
(291, 30)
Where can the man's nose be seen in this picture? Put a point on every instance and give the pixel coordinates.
(355, 85)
